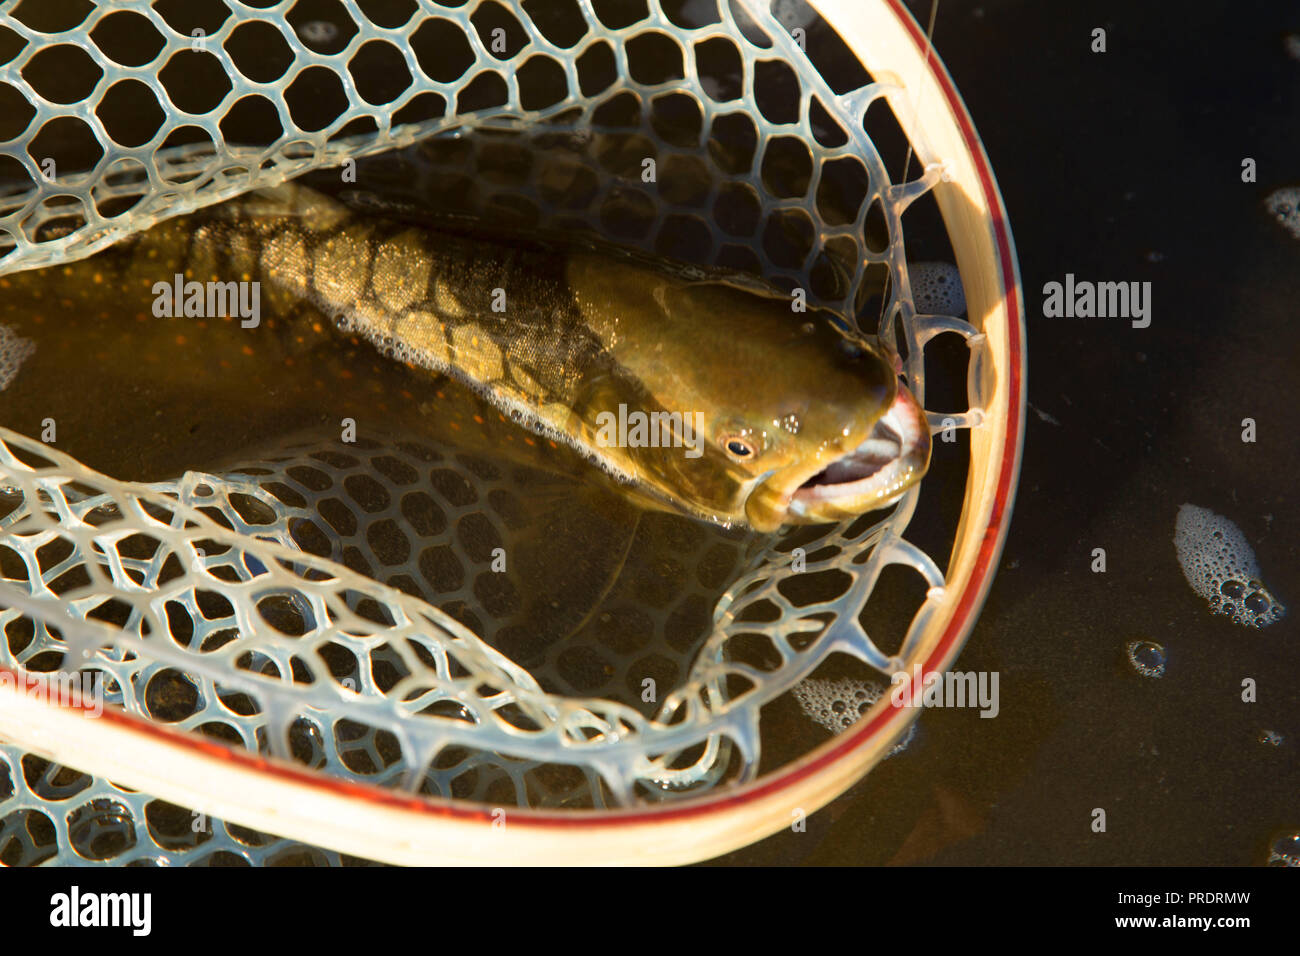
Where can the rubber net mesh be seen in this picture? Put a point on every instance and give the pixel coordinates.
(287, 605)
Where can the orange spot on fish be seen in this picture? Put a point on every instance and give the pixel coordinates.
(247, 350)
(345, 373)
(478, 419)
(455, 426)
(98, 277)
(180, 340)
(529, 441)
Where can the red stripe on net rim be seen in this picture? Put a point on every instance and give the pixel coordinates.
(829, 753)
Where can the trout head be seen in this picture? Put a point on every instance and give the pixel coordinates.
(800, 424)
(848, 458)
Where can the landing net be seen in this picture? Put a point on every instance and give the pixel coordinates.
(779, 138)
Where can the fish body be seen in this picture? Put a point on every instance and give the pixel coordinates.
(701, 392)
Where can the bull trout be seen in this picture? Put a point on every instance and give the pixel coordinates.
(703, 391)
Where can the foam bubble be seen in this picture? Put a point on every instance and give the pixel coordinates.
(1220, 566)
(1147, 658)
(1284, 205)
(1284, 850)
(937, 288)
(837, 704)
(14, 351)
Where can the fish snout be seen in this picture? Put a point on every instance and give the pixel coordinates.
(893, 457)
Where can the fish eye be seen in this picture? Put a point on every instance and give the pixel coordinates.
(739, 447)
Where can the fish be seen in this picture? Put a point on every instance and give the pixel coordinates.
(698, 391)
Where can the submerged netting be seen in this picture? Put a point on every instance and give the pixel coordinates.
(287, 606)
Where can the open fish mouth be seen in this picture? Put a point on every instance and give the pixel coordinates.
(885, 465)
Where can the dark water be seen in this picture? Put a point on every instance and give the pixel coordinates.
(1122, 166)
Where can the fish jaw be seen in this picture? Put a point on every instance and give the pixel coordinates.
(893, 457)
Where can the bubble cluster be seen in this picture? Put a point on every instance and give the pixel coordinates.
(14, 351)
(1220, 566)
(1285, 850)
(1271, 737)
(1284, 206)
(837, 704)
(1147, 658)
(937, 288)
